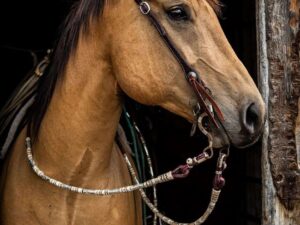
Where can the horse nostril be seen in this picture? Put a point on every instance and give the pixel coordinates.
(251, 118)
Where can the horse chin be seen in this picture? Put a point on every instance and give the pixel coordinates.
(220, 139)
(251, 141)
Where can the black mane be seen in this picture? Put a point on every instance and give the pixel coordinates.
(77, 21)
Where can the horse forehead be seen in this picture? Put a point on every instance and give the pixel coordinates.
(209, 2)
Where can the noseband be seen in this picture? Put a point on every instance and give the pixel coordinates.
(205, 102)
(206, 107)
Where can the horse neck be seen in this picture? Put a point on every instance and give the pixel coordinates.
(79, 128)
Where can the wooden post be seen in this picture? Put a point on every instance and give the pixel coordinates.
(278, 38)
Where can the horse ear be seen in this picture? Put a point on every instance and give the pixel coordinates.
(217, 5)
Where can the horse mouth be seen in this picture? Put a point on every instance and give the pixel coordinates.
(251, 141)
(223, 138)
(220, 140)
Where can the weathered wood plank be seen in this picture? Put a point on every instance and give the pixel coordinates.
(297, 135)
(284, 93)
(279, 78)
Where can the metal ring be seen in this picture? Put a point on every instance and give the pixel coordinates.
(41, 67)
(145, 8)
(200, 123)
(209, 152)
(226, 150)
(197, 110)
(222, 161)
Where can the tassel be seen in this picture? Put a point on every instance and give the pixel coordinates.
(14, 104)
(15, 125)
(20, 98)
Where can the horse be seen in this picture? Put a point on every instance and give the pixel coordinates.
(108, 49)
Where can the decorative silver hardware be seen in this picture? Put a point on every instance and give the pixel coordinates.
(193, 74)
(145, 8)
(41, 67)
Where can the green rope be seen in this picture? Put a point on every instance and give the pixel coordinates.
(138, 159)
(143, 173)
(134, 142)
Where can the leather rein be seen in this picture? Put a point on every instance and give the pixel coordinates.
(206, 107)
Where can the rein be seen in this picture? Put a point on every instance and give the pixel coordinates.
(206, 108)
(180, 172)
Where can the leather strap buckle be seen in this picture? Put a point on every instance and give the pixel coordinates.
(145, 8)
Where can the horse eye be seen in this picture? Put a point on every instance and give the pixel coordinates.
(177, 13)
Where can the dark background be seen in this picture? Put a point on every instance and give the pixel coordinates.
(33, 25)
(28, 25)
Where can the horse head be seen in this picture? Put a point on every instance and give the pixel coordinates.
(147, 71)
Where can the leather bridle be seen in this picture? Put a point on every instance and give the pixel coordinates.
(205, 101)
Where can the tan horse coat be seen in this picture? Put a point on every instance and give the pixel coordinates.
(76, 144)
